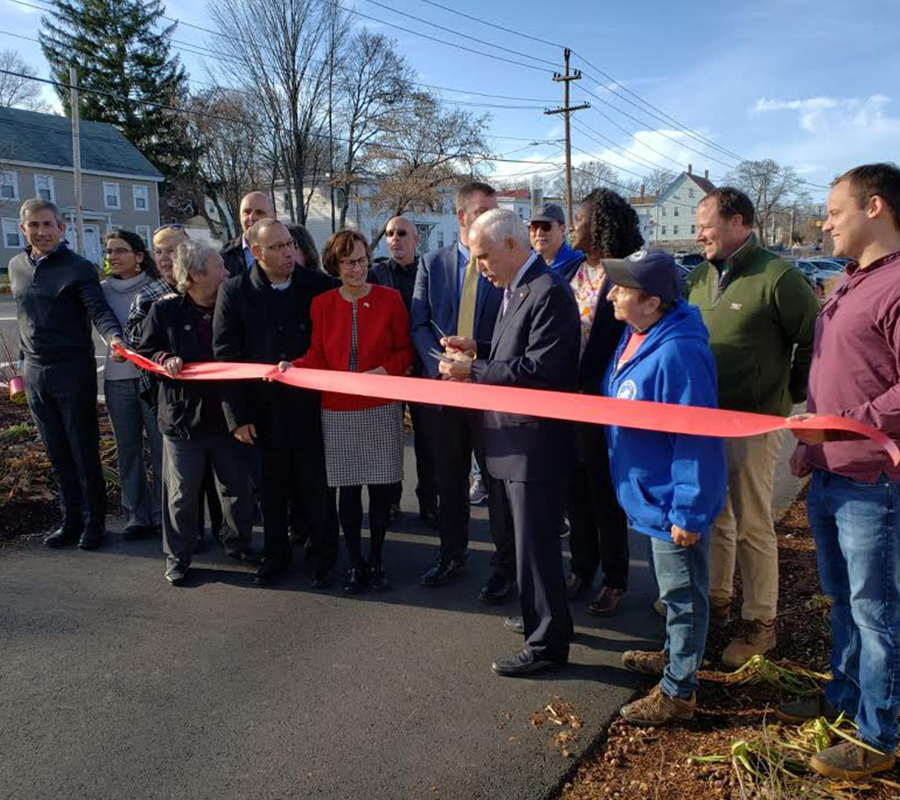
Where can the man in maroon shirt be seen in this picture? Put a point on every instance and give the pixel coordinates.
(854, 494)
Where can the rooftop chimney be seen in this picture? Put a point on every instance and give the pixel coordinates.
(690, 169)
(706, 174)
(643, 189)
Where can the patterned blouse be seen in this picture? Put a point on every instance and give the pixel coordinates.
(586, 284)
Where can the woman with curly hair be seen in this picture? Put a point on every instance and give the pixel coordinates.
(604, 226)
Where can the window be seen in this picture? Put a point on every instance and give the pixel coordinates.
(144, 232)
(141, 198)
(44, 188)
(111, 195)
(663, 231)
(9, 186)
(676, 211)
(674, 230)
(693, 229)
(12, 236)
(664, 210)
(693, 210)
(690, 194)
(440, 239)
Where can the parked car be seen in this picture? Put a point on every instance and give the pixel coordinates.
(690, 260)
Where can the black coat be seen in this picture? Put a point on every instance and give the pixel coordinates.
(187, 409)
(233, 256)
(535, 346)
(255, 323)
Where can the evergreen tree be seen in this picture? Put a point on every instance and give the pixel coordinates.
(121, 47)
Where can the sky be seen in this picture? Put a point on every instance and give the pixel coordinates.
(812, 84)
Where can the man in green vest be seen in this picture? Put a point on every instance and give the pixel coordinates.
(761, 313)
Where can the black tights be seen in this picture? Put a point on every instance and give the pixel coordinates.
(350, 515)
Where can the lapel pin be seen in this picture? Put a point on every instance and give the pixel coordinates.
(187, 327)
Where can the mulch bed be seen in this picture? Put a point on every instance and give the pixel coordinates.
(29, 507)
(631, 762)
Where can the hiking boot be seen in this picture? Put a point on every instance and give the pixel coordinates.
(657, 708)
(796, 712)
(647, 662)
(849, 761)
(755, 638)
(660, 608)
(719, 612)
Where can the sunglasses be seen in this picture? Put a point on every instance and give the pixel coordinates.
(400, 233)
(546, 227)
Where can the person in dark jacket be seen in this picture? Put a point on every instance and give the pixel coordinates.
(58, 296)
(399, 273)
(237, 254)
(263, 316)
(671, 486)
(605, 226)
(179, 331)
(305, 253)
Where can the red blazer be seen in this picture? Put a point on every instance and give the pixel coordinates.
(382, 330)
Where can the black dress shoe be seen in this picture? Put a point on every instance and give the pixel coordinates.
(176, 572)
(91, 539)
(515, 624)
(354, 580)
(244, 554)
(522, 663)
(498, 589)
(442, 571)
(270, 571)
(323, 578)
(133, 532)
(378, 580)
(62, 537)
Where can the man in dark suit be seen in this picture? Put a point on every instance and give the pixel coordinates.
(263, 316)
(399, 272)
(535, 345)
(237, 254)
(451, 298)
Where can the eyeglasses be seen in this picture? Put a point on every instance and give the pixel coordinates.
(279, 247)
(169, 226)
(353, 263)
(401, 232)
(546, 227)
(117, 251)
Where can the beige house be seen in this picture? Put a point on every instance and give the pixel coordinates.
(120, 188)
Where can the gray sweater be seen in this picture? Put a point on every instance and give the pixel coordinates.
(119, 295)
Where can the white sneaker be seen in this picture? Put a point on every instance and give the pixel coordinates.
(477, 493)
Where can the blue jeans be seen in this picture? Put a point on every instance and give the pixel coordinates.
(683, 577)
(857, 531)
(130, 417)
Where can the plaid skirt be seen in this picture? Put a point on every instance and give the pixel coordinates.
(364, 446)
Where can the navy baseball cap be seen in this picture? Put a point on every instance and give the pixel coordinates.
(651, 270)
(549, 213)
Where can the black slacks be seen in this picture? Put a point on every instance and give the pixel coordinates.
(599, 527)
(534, 510)
(457, 434)
(423, 422)
(63, 401)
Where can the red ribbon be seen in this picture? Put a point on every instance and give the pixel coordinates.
(643, 414)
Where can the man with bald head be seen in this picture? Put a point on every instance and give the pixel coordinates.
(263, 316)
(237, 254)
(399, 273)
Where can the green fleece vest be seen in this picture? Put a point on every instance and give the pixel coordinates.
(765, 309)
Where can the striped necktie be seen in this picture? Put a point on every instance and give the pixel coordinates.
(465, 322)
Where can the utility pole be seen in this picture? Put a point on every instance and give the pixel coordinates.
(330, 120)
(76, 159)
(567, 110)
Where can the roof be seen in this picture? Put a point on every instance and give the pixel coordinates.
(517, 194)
(705, 184)
(46, 139)
(642, 200)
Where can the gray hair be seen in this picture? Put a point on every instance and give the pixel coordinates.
(190, 256)
(35, 204)
(499, 224)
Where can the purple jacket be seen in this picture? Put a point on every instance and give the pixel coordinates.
(855, 369)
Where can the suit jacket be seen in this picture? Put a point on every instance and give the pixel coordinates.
(257, 324)
(535, 346)
(233, 256)
(436, 298)
(603, 339)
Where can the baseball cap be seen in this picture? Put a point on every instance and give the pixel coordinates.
(651, 270)
(549, 213)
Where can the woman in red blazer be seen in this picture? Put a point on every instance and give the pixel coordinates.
(361, 328)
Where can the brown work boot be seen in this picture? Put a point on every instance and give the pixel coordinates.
(660, 608)
(755, 638)
(719, 612)
(849, 761)
(796, 712)
(647, 662)
(606, 603)
(657, 708)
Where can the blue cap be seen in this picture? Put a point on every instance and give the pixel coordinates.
(651, 270)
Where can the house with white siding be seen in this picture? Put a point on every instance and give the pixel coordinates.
(669, 219)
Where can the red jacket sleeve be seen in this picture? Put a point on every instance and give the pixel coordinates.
(314, 357)
(401, 359)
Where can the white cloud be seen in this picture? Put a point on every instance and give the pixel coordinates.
(819, 115)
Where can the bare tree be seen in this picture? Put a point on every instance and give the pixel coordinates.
(658, 180)
(285, 49)
(372, 83)
(770, 186)
(424, 148)
(585, 178)
(18, 90)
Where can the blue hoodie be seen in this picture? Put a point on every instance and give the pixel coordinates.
(566, 260)
(663, 479)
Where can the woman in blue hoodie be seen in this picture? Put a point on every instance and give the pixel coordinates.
(671, 486)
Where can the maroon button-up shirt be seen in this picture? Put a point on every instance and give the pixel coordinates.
(856, 368)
